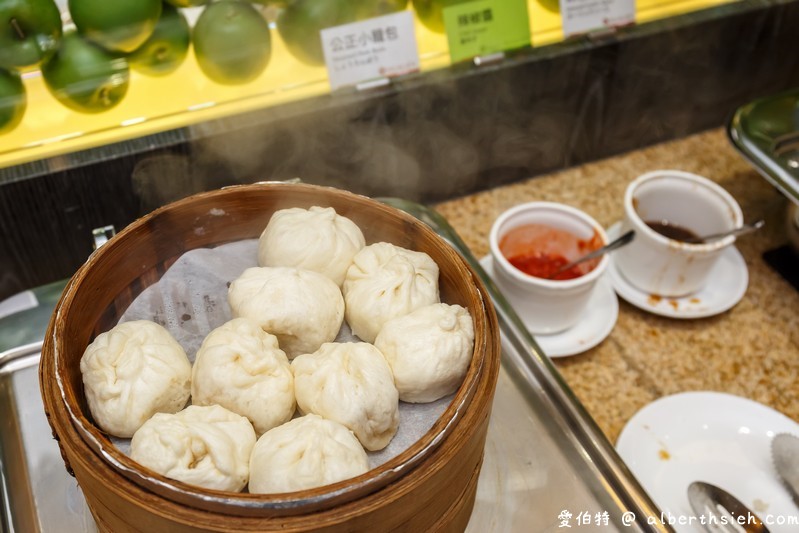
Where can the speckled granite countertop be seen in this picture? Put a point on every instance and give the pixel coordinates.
(751, 350)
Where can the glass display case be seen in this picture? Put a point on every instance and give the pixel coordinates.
(441, 132)
(69, 179)
(184, 95)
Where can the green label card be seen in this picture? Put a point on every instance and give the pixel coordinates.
(486, 26)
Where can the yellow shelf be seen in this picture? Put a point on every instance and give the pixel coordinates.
(547, 29)
(187, 97)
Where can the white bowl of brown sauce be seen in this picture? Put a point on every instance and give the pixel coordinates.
(668, 209)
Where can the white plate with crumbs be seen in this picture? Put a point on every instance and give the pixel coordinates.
(726, 285)
(714, 437)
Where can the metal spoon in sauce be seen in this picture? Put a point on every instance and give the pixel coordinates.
(743, 230)
(721, 509)
(609, 247)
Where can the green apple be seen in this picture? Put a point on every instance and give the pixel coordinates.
(118, 25)
(276, 3)
(187, 3)
(30, 31)
(301, 21)
(430, 12)
(86, 77)
(550, 5)
(13, 100)
(232, 42)
(166, 48)
(374, 8)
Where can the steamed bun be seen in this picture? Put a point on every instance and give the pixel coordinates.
(387, 281)
(350, 383)
(206, 446)
(240, 367)
(131, 372)
(305, 453)
(429, 351)
(302, 308)
(315, 239)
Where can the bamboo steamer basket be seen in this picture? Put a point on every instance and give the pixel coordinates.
(430, 486)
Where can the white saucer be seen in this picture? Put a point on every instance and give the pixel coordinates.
(594, 325)
(713, 437)
(726, 286)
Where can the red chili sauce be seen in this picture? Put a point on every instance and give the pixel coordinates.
(539, 250)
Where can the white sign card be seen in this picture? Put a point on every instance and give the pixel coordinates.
(379, 47)
(581, 16)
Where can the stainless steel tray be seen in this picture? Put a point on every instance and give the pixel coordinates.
(38, 494)
(766, 133)
(545, 462)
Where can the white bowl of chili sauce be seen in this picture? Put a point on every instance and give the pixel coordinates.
(529, 243)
